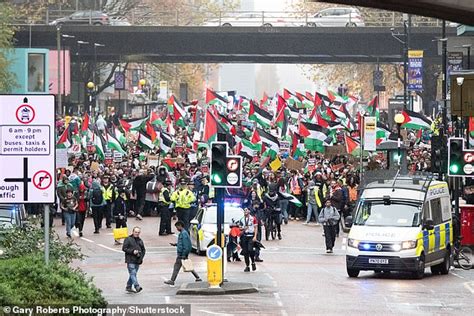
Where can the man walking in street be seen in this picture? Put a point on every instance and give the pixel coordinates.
(69, 207)
(249, 236)
(134, 249)
(183, 248)
(329, 218)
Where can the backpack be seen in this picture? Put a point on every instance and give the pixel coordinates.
(97, 196)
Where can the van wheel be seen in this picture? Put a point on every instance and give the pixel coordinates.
(435, 270)
(446, 264)
(353, 273)
(420, 272)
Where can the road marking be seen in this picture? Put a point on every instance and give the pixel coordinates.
(88, 240)
(457, 275)
(114, 250)
(469, 286)
(214, 313)
(278, 299)
(167, 299)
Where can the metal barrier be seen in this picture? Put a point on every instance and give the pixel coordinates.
(246, 18)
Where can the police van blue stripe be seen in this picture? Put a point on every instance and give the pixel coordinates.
(437, 232)
(447, 228)
(426, 241)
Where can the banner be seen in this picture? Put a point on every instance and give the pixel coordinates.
(415, 70)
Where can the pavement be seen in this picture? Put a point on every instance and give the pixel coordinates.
(297, 277)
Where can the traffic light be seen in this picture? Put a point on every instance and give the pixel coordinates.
(226, 171)
(218, 163)
(439, 154)
(456, 159)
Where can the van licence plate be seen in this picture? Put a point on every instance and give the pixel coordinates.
(378, 261)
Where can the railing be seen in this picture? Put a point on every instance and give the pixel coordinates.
(245, 18)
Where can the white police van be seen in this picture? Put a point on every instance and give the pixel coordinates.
(402, 224)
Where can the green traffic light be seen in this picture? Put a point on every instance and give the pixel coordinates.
(216, 179)
(454, 168)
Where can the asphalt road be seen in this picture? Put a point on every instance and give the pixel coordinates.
(297, 277)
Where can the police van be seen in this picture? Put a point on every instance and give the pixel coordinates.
(403, 224)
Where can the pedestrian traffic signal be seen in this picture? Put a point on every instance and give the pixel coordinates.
(218, 163)
(439, 154)
(459, 159)
(226, 171)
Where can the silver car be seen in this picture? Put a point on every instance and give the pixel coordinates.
(203, 227)
(333, 17)
(12, 215)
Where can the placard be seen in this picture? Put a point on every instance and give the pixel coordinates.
(332, 151)
(61, 158)
(292, 164)
(153, 161)
(370, 133)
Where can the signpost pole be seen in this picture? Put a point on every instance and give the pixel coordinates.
(220, 210)
(46, 234)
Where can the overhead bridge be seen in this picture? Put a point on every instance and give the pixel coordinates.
(175, 44)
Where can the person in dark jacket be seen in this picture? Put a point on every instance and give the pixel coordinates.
(164, 201)
(134, 249)
(120, 212)
(139, 190)
(183, 248)
(337, 199)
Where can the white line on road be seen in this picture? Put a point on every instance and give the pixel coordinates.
(167, 299)
(457, 275)
(103, 246)
(469, 286)
(88, 240)
(214, 313)
(278, 299)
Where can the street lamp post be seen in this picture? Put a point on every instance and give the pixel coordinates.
(460, 81)
(79, 43)
(398, 36)
(96, 78)
(90, 88)
(399, 119)
(58, 43)
(63, 37)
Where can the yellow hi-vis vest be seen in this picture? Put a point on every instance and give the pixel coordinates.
(183, 198)
(316, 196)
(161, 198)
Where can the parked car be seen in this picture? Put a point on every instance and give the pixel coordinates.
(341, 16)
(84, 18)
(12, 215)
(203, 227)
(255, 19)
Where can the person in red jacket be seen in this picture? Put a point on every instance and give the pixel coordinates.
(83, 206)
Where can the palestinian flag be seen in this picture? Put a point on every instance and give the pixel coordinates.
(415, 120)
(294, 113)
(315, 136)
(166, 143)
(227, 124)
(291, 98)
(247, 149)
(63, 141)
(212, 127)
(155, 119)
(321, 99)
(291, 199)
(269, 140)
(255, 139)
(133, 124)
(178, 111)
(244, 104)
(119, 135)
(373, 108)
(85, 123)
(259, 115)
(150, 130)
(213, 98)
(310, 96)
(419, 136)
(145, 142)
(383, 132)
(114, 144)
(265, 102)
(282, 120)
(169, 163)
(297, 146)
(99, 146)
(351, 144)
(305, 101)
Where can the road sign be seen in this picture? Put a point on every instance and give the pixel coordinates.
(27, 149)
(214, 265)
